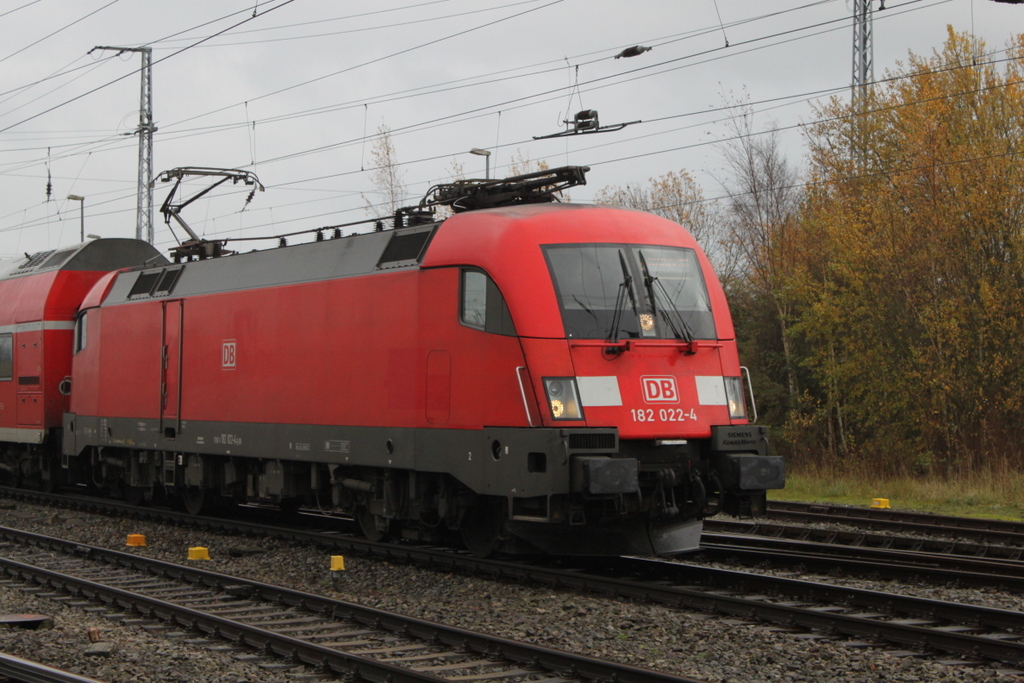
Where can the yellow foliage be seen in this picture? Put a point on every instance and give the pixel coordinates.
(911, 279)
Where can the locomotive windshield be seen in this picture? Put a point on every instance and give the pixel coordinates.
(630, 291)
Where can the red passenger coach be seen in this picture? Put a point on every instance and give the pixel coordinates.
(39, 297)
(530, 376)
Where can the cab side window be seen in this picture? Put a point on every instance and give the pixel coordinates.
(81, 327)
(6, 357)
(474, 299)
(482, 306)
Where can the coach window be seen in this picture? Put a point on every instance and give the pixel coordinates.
(482, 305)
(80, 331)
(6, 357)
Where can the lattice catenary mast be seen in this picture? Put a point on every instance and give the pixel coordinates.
(144, 203)
(863, 48)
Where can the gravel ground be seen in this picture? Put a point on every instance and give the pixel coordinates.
(673, 641)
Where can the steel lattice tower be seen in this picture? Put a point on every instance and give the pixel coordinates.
(144, 214)
(863, 49)
(144, 201)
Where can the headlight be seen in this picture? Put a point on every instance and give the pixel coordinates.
(734, 395)
(563, 399)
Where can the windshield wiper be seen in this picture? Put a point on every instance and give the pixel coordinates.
(680, 331)
(625, 289)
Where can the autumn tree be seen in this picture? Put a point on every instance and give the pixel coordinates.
(912, 304)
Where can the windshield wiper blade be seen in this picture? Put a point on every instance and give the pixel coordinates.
(680, 331)
(625, 289)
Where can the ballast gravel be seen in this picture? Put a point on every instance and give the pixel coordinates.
(700, 646)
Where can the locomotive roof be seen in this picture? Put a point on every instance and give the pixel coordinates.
(94, 255)
(505, 242)
(478, 238)
(350, 256)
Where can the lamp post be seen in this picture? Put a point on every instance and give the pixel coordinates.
(81, 211)
(486, 154)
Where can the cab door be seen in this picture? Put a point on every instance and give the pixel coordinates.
(170, 377)
(28, 363)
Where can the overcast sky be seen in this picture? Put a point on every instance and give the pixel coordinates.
(290, 93)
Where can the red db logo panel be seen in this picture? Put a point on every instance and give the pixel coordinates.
(229, 354)
(659, 389)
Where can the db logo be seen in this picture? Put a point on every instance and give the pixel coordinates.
(660, 389)
(228, 354)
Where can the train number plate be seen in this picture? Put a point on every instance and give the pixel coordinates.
(663, 414)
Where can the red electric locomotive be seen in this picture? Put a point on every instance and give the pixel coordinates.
(533, 376)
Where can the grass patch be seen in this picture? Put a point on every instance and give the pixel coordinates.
(983, 494)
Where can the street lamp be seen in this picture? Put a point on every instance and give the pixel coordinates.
(81, 211)
(486, 154)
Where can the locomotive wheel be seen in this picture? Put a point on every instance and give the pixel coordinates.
(368, 524)
(194, 499)
(481, 528)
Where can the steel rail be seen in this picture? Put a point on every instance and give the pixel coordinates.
(854, 561)
(986, 530)
(538, 659)
(929, 518)
(889, 541)
(911, 556)
(18, 670)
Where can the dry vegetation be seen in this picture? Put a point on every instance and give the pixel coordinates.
(987, 493)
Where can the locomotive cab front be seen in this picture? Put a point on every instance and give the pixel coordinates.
(639, 317)
(629, 353)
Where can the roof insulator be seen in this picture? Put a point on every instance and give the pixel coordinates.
(337, 233)
(319, 235)
(283, 243)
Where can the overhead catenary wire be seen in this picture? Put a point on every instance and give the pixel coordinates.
(416, 22)
(261, 120)
(665, 150)
(701, 144)
(21, 7)
(66, 69)
(649, 121)
(121, 78)
(62, 28)
(396, 96)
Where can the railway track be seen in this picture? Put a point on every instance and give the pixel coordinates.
(988, 531)
(345, 639)
(939, 542)
(918, 567)
(823, 549)
(867, 617)
(906, 558)
(799, 605)
(17, 670)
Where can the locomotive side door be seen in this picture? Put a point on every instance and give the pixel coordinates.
(170, 373)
